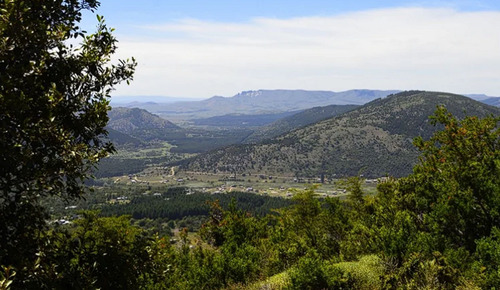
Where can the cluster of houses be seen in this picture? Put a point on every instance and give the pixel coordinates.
(66, 220)
(120, 200)
(233, 187)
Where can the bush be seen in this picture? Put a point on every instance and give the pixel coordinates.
(365, 273)
(314, 273)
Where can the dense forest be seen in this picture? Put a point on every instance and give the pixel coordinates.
(181, 205)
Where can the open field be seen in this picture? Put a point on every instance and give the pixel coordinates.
(279, 186)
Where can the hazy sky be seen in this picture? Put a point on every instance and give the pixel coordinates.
(205, 48)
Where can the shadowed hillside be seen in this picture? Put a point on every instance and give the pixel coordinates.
(127, 120)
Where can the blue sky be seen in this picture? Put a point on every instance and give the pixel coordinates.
(126, 12)
(205, 48)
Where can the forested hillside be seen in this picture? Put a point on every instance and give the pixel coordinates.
(296, 121)
(375, 139)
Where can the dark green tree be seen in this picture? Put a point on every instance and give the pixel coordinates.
(97, 253)
(434, 223)
(455, 190)
(54, 98)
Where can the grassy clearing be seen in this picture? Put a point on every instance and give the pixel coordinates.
(278, 281)
(366, 272)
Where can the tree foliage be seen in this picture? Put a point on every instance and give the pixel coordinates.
(434, 224)
(87, 255)
(456, 187)
(54, 98)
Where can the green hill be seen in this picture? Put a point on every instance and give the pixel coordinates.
(128, 120)
(376, 138)
(296, 121)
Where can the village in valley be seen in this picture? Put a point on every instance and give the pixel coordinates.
(218, 183)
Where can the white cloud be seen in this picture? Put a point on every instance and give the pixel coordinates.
(404, 48)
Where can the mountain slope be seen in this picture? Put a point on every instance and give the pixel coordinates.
(376, 138)
(298, 120)
(119, 138)
(128, 120)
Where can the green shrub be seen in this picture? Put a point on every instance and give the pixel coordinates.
(365, 273)
(314, 273)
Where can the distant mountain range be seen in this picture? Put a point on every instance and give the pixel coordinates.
(493, 101)
(261, 102)
(375, 139)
